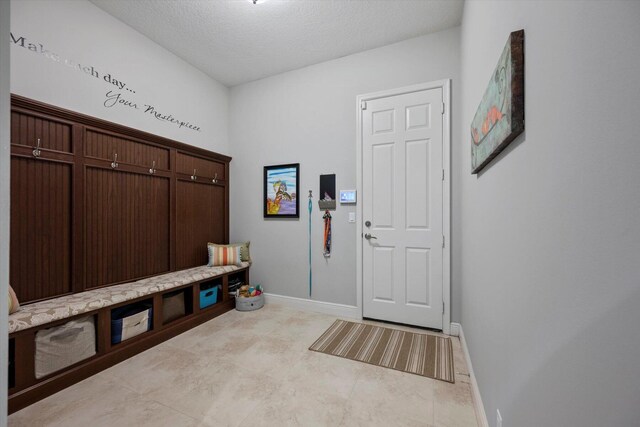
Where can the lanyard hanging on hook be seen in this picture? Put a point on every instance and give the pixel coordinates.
(326, 247)
(310, 209)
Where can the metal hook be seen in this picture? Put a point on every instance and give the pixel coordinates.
(36, 151)
(114, 164)
(153, 168)
(215, 178)
(194, 177)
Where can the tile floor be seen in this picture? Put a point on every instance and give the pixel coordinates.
(255, 369)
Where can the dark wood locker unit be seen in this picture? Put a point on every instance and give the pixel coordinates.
(95, 204)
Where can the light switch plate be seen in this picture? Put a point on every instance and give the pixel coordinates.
(352, 217)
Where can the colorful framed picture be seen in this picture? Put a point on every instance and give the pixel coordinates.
(281, 183)
(499, 118)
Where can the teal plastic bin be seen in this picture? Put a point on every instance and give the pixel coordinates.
(208, 295)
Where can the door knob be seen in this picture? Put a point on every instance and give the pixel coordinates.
(369, 236)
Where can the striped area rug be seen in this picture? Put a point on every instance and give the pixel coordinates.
(421, 354)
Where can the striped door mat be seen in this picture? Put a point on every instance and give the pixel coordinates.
(421, 354)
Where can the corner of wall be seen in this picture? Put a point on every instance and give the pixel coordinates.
(5, 108)
(481, 416)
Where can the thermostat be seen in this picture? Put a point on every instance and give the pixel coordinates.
(348, 196)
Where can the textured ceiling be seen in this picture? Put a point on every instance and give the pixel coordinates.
(235, 41)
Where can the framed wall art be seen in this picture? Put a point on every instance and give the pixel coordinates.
(499, 118)
(281, 183)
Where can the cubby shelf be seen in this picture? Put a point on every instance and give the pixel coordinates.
(25, 389)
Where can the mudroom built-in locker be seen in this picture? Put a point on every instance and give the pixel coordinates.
(109, 226)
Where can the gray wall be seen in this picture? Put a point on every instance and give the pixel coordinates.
(309, 116)
(82, 33)
(4, 196)
(550, 243)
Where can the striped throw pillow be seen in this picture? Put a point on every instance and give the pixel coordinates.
(245, 256)
(223, 255)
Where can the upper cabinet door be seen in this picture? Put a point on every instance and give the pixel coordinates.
(200, 168)
(38, 132)
(104, 145)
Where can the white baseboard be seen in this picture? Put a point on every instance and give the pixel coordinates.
(338, 310)
(455, 329)
(475, 391)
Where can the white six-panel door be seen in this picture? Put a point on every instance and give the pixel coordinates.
(402, 212)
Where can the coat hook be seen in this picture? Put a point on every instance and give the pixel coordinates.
(194, 177)
(153, 168)
(114, 164)
(36, 150)
(215, 178)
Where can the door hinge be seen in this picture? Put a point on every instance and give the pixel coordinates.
(442, 110)
(442, 242)
(442, 307)
(443, 174)
(363, 105)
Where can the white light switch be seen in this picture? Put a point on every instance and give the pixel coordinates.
(352, 217)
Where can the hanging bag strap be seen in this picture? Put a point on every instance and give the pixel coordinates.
(326, 246)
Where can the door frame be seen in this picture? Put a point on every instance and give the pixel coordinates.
(445, 85)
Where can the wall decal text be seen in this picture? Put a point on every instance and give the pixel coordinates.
(113, 98)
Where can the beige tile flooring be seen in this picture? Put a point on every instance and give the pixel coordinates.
(254, 369)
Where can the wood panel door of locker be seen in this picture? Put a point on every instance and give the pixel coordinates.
(200, 218)
(127, 226)
(41, 228)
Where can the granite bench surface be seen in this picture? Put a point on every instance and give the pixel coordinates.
(43, 312)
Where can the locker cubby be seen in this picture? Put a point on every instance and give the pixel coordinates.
(210, 293)
(129, 321)
(177, 305)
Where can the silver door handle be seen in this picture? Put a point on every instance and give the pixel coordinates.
(369, 236)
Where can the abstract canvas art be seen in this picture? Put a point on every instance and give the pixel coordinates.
(281, 184)
(499, 118)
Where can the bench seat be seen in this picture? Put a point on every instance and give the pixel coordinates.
(47, 311)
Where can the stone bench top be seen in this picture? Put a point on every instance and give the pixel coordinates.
(50, 310)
